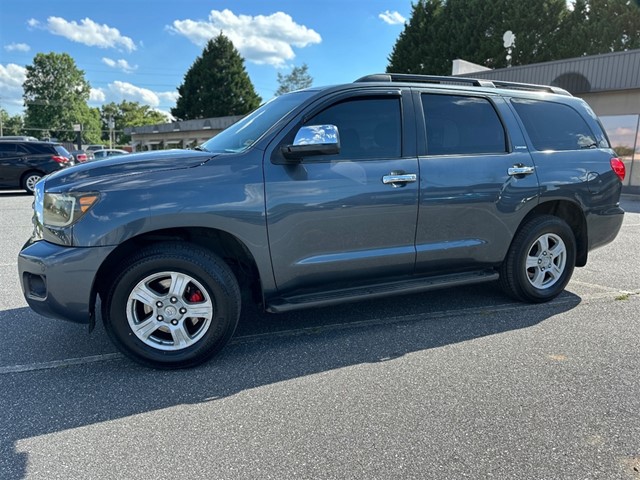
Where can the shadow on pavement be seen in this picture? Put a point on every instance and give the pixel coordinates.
(630, 204)
(267, 349)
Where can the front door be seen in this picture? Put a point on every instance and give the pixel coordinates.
(338, 220)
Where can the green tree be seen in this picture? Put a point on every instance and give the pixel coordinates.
(600, 26)
(412, 52)
(440, 31)
(55, 97)
(216, 85)
(298, 79)
(127, 114)
(11, 124)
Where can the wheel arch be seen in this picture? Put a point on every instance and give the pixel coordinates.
(228, 247)
(573, 215)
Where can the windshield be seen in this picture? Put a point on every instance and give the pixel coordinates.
(244, 133)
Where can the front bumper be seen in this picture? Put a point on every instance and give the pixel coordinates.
(57, 281)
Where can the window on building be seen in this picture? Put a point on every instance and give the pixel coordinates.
(622, 131)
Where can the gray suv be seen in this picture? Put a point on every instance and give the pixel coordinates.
(388, 185)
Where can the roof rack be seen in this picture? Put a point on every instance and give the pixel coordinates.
(476, 82)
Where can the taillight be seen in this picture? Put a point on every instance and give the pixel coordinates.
(618, 167)
(81, 157)
(59, 159)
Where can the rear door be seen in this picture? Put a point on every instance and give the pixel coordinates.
(336, 220)
(471, 199)
(572, 157)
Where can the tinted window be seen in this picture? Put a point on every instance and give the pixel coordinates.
(62, 151)
(7, 149)
(38, 148)
(369, 127)
(553, 126)
(462, 125)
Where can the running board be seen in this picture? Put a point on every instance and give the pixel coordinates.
(353, 294)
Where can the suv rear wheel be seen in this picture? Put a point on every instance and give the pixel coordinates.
(175, 306)
(540, 261)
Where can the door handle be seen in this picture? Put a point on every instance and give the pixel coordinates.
(394, 178)
(521, 170)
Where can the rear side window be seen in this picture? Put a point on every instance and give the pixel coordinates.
(7, 149)
(37, 148)
(368, 127)
(553, 126)
(61, 150)
(462, 125)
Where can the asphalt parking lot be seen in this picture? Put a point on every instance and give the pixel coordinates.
(459, 383)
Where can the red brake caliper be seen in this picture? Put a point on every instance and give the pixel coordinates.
(196, 297)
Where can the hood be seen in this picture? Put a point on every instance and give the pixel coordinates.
(125, 165)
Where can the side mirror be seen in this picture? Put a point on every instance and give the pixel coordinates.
(313, 140)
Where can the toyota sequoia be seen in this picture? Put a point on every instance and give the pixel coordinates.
(392, 184)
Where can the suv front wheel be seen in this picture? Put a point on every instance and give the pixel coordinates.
(540, 261)
(175, 306)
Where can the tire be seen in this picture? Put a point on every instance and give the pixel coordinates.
(29, 181)
(175, 306)
(540, 261)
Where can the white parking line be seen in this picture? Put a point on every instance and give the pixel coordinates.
(30, 367)
(331, 327)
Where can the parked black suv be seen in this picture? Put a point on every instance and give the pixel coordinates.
(24, 162)
(391, 184)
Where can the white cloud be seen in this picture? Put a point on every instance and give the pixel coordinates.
(97, 95)
(12, 77)
(118, 91)
(88, 33)
(260, 39)
(168, 97)
(128, 91)
(33, 23)
(392, 18)
(122, 64)
(17, 47)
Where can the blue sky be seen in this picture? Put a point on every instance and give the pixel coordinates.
(140, 50)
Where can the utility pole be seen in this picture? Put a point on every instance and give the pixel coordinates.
(78, 129)
(111, 125)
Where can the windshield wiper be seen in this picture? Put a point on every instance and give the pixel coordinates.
(200, 148)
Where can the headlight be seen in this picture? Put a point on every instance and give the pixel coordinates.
(38, 213)
(64, 209)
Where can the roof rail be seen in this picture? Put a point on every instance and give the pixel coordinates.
(477, 82)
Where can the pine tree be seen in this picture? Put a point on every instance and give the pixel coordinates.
(412, 51)
(216, 85)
